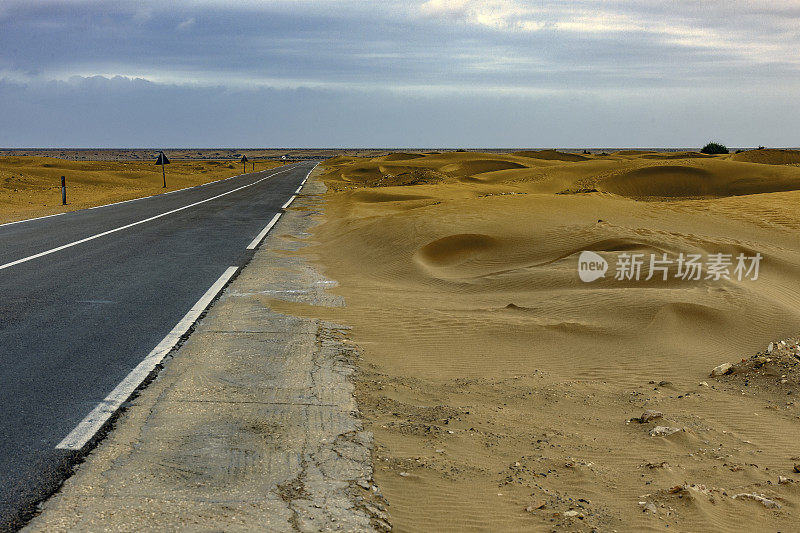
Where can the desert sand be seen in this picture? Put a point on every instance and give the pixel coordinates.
(506, 394)
(30, 185)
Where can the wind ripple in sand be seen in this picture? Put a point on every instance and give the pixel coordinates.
(473, 303)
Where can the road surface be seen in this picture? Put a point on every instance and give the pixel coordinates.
(87, 295)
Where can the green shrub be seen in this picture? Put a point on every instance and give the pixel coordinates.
(714, 148)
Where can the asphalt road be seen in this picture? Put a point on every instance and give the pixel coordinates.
(75, 322)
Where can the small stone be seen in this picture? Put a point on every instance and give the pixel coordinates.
(571, 513)
(650, 508)
(724, 368)
(797, 469)
(404, 474)
(770, 347)
(663, 431)
(783, 480)
(649, 415)
(704, 383)
(539, 504)
(766, 502)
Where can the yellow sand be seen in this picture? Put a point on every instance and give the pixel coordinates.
(31, 186)
(498, 385)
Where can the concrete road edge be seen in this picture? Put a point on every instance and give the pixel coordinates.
(251, 425)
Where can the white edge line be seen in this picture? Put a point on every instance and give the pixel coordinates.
(30, 219)
(289, 201)
(168, 192)
(134, 199)
(260, 236)
(98, 235)
(96, 419)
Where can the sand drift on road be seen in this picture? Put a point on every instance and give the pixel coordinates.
(504, 392)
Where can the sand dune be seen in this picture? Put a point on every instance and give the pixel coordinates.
(636, 152)
(401, 156)
(551, 155)
(677, 155)
(769, 156)
(714, 178)
(470, 168)
(500, 385)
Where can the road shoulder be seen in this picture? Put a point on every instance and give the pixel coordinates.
(251, 424)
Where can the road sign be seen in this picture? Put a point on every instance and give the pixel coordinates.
(244, 162)
(162, 160)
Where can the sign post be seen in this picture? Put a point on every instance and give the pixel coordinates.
(162, 160)
(63, 191)
(244, 163)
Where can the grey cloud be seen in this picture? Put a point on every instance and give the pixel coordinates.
(384, 63)
(121, 112)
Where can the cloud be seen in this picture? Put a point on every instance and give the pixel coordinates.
(143, 14)
(484, 51)
(187, 24)
(124, 112)
(444, 8)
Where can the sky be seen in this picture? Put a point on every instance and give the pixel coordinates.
(387, 73)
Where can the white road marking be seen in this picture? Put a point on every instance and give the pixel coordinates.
(289, 201)
(103, 234)
(161, 193)
(89, 426)
(29, 219)
(126, 201)
(260, 236)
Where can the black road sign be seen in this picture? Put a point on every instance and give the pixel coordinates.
(162, 160)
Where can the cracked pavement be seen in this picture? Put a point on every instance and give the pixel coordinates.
(250, 425)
